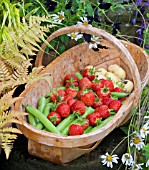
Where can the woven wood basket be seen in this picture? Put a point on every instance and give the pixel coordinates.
(63, 149)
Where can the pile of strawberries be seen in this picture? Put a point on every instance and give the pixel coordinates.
(82, 90)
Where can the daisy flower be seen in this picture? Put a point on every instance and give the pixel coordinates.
(137, 141)
(147, 163)
(84, 22)
(109, 160)
(144, 131)
(137, 166)
(75, 35)
(94, 42)
(60, 17)
(127, 159)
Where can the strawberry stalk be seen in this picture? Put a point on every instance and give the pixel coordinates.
(55, 89)
(88, 111)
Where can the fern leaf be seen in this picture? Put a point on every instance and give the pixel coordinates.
(10, 130)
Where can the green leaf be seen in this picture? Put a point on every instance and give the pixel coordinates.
(61, 48)
(64, 39)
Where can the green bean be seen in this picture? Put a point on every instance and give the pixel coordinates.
(119, 94)
(41, 103)
(87, 130)
(47, 123)
(46, 111)
(31, 119)
(78, 75)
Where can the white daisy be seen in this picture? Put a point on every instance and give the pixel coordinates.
(137, 141)
(144, 131)
(84, 22)
(109, 160)
(60, 17)
(75, 35)
(127, 159)
(147, 163)
(137, 166)
(94, 42)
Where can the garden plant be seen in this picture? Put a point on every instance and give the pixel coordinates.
(25, 25)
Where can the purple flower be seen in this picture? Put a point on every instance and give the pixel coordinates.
(140, 31)
(139, 2)
(147, 4)
(143, 25)
(147, 47)
(140, 37)
(133, 21)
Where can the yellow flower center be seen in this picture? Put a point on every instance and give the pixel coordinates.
(73, 35)
(136, 140)
(85, 24)
(144, 130)
(109, 158)
(127, 156)
(61, 16)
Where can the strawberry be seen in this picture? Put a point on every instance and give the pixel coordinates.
(103, 110)
(54, 117)
(53, 96)
(85, 123)
(85, 83)
(94, 118)
(70, 78)
(63, 109)
(68, 84)
(108, 84)
(97, 102)
(117, 89)
(66, 98)
(78, 106)
(103, 92)
(61, 93)
(115, 104)
(75, 129)
(89, 73)
(88, 98)
(107, 100)
(70, 101)
(72, 91)
(97, 84)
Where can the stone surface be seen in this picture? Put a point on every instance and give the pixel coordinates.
(21, 160)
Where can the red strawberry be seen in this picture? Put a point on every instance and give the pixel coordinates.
(94, 118)
(85, 83)
(108, 84)
(117, 89)
(75, 129)
(107, 100)
(103, 92)
(89, 73)
(61, 92)
(70, 101)
(68, 84)
(54, 117)
(72, 91)
(97, 84)
(97, 102)
(63, 109)
(80, 93)
(85, 123)
(70, 78)
(103, 110)
(53, 96)
(66, 98)
(115, 104)
(88, 98)
(78, 106)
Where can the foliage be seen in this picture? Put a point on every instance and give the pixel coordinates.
(16, 69)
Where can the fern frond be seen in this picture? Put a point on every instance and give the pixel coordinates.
(10, 130)
(7, 141)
